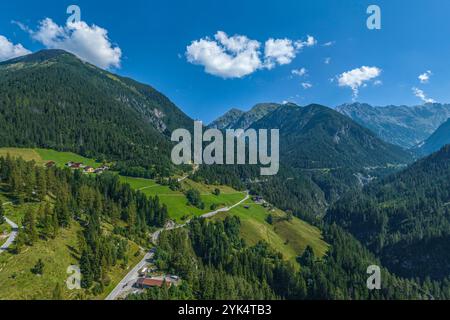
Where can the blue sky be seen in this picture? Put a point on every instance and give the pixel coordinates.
(153, 37)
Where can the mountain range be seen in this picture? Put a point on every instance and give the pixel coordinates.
(401, 125)
(323, 154)
(236, 118)
(317, 137)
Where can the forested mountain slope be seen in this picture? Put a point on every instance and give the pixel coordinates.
(52, 99)
(404, 218)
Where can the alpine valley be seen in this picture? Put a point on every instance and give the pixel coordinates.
(86, 178)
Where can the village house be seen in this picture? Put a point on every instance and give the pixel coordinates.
(258, 199)
(77, 165)
(146, 283)
(89, 170)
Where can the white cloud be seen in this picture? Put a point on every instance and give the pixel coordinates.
(306, 85)
(281, 51)
(310, 42)
(327, 60)
(238, 56)
(9, 50)
(90, 43)
(425, 77)
(357, 77)
(227, 57)
(377, 83)
(329, 43)
(299, 72)
(421, 95)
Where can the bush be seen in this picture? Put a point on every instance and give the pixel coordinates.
(38, 269)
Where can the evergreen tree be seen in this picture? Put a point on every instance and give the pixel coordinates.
(29, 227)
(2, 214)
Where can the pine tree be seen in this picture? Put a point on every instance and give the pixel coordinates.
(2, 214)
(29, 227)
(86, 270)
(41, 184)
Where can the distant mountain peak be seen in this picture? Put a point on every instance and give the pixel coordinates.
(405, 126)
(40, 56)
(238, 119)
(439, 139)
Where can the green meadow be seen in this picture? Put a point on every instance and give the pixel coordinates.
(42, 156)
(176, 202)
(287, 237)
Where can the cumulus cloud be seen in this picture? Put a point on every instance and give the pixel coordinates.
(90, 43)
(9, 50)
(358, 77)
(238, 56)
(227, 57)
(299, 72)
(421, 95)
(306, 85)
(425, 77)
(281, 51)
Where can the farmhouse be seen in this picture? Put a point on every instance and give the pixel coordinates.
(258, 199)
(146, 283)
(89, 170)
(76, 165)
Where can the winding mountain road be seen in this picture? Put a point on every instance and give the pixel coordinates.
(130, 279)
(12, 236)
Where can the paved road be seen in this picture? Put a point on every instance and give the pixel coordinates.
(226, 209)
(12, 236)
(130, 279)
(155, 236)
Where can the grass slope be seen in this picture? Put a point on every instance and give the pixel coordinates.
(176, 201)
(41, 156)
(287, 237)
(19, 283)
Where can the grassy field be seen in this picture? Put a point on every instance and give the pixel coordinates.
(42, 156)
(26, 154)
(288, 237)
(61, 158)
(176, 200)
(19, 283)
